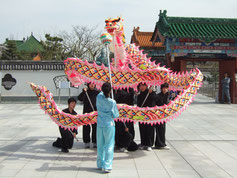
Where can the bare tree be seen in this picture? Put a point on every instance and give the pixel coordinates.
(82, 42)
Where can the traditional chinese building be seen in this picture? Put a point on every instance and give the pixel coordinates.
(143, 39)
(30, 47)
(189, 39)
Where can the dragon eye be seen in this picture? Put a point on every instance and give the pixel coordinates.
(117, 20)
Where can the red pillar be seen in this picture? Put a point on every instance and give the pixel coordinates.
(229, 67)
(182, 65)
(175, 66)
(168, 62)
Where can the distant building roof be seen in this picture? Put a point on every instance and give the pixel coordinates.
(143, 39)
(18, 42)
(197, 28)
(31, 45)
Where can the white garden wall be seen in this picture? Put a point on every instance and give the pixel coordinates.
(42, 77)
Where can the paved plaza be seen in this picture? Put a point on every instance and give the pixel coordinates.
(203, 141)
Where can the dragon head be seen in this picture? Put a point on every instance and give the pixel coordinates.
(114, 25)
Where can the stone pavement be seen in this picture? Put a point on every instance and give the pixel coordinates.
(203, 141)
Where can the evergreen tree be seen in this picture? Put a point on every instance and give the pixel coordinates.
(53, 48)
(11, 52)
(213, 78)
(25, 55)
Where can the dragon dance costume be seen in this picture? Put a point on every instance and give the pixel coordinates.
(130, 68)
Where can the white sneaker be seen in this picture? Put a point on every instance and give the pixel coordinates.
(107, 170)
(164, 148)
(141, 147)
(124, 150)
(148, 148)
(87, 145)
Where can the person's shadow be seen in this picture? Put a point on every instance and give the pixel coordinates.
(32, 148)
(64, 168)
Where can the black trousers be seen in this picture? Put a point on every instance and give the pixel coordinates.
(87, 131)
(66, 140)
(160, 135)
(146, 134)
(119, 129)
(130, 126)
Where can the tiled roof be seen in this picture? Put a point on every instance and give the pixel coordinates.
(31, 65)
(143, 39)
(31, 45)
(19, 42)
(200, 28)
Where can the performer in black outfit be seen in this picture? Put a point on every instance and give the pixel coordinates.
(161, 99)
(124, 97)
(146, 98)
(66, 142)
(87, 108)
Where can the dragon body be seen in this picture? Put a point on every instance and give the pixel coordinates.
(129, 68)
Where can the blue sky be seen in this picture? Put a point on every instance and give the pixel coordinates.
(18, 18)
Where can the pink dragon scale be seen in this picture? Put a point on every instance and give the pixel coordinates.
(129, 68)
